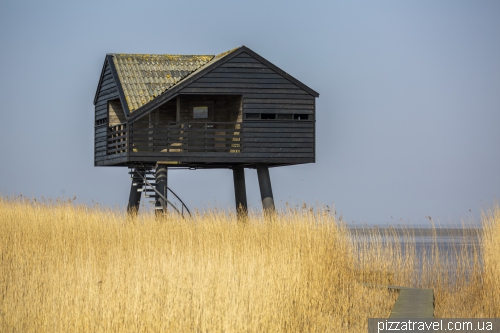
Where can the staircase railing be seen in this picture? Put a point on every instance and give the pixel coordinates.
(165, 200)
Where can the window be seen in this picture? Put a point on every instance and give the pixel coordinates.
(279, 116)
(200, 112)
(268, 116)
(300, 116)
(252, 115)
(100, 122)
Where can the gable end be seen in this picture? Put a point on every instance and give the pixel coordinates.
(109, 87)
(104, 72)
(106, 90)
(121, 95)
(280, 71)
(245, 74)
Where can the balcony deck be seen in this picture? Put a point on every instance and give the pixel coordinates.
(215, 144)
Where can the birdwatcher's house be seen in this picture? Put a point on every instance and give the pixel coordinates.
(233, 110)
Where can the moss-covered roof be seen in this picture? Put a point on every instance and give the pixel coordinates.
(144, 77)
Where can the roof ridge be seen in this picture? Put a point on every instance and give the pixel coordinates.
(161, 55)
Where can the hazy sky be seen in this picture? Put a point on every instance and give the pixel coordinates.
(408, 118)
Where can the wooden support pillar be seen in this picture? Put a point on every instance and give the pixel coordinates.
(240, 192)
(161, 177)
(266, 191)
(134, 199)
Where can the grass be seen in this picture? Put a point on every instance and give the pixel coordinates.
(70, 268)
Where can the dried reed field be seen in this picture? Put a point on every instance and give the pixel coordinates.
(71, 268)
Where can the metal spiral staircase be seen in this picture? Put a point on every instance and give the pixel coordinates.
(149, 190)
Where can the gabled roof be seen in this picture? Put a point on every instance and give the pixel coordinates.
(146, 81)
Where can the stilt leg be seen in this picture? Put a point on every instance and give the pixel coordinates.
(134, 199)
(240, 192)
(161, 186)
(266, 191)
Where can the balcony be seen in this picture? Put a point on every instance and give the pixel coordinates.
(214, 142)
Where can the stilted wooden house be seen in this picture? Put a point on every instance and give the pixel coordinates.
(235, 110)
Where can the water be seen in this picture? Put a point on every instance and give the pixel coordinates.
(451, 248)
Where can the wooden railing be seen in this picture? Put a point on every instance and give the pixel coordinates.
(117, 139)
(272, 138)
(187, 137)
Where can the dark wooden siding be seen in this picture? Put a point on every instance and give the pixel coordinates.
(286, 138)
(265, 92)
(107, 91)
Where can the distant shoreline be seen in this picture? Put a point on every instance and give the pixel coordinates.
(418, 231)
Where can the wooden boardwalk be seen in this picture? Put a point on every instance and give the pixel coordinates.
(413, 303)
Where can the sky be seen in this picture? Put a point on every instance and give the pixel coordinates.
(407, 119)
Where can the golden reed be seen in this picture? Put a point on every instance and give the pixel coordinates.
(71, 268)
